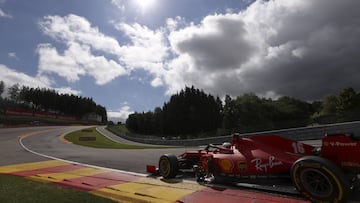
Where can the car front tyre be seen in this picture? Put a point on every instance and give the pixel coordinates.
(168, 166)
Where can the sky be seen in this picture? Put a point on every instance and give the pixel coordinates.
(132, 55)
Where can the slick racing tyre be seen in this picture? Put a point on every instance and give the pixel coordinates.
(168, 165)
(319, 180)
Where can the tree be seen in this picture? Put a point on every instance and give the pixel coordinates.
(192, 111)
(14, 92)
(43, 99)
(326, 113)
(292, 112)
(100, 110)
(248, 113)
(189, 111)
(316, 106)
(159, 121)
(348, 105)
(229, 114)
(2, 88)
(251, 112)
(329, 105)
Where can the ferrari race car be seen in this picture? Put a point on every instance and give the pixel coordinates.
(322, 174)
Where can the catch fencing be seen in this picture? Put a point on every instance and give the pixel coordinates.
(304, 133)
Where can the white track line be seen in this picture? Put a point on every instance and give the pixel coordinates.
(78, 163)
(108, 137)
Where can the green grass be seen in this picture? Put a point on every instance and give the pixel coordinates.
(17, 189)
(101, 141)
(120, 128)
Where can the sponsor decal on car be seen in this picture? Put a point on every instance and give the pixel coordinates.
(242, 166)
(226, 165)
(350, 164)
(261, 165)
(343, 144)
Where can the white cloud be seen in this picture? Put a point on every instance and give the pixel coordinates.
(77, 61)
(174, 23)
(120, 115)
(73, 28)
(11, 77)
(146, 50)
(147, 47)
(300, 48)
(157, 82)
(219, 42)
(67, 90)
(50, 61)
(211, 55)
(13, 55)
(119, 4)
(4, 15)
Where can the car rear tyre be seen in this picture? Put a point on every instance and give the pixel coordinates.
(319, 180)
(168, 165)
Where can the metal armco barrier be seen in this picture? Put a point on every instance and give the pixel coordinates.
(304, 133)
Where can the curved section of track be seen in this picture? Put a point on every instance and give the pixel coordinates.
(46, 140)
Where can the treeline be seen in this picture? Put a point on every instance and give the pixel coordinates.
(43, 99)
(248, 113)
(342, 107)
(192, 111)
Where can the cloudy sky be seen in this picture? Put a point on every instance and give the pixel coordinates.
(131, 55)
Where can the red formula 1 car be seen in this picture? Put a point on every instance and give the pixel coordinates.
(324, 174)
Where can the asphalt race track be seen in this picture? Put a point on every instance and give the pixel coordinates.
(46, 141)
(35, 144)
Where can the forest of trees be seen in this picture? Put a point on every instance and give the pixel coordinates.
(192, 111)
(42, 99)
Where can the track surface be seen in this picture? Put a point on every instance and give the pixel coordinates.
(46, 140)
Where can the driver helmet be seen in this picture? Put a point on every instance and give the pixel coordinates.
(226, 145)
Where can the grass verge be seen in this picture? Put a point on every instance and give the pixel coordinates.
(18, 189)
(90, 137)
(119, 128)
